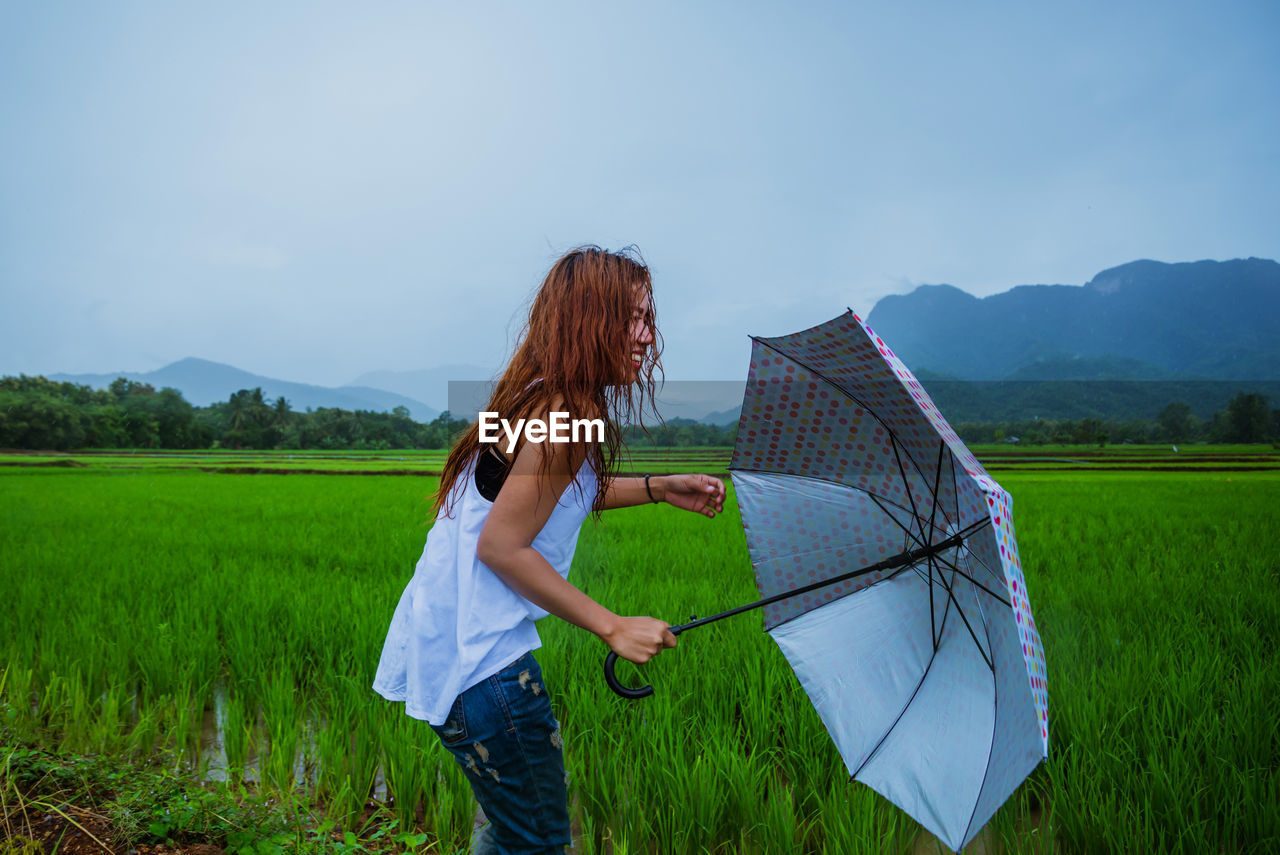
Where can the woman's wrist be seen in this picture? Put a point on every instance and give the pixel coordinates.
(607, 626)
(656, 487)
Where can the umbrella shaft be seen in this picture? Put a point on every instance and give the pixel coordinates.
(905, 558)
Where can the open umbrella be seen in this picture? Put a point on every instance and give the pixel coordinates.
(889, 576)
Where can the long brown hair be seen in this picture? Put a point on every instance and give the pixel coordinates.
(577, 343)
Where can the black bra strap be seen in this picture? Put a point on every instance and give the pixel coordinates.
(492, 468)
(491, 473)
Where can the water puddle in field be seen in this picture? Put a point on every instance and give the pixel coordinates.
(213, 765)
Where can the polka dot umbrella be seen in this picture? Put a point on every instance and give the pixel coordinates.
(889, 575)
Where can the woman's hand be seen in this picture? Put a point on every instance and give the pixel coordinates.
(701, 494)
(639, 639)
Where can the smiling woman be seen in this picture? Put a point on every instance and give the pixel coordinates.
(590, 347)
(459, 649)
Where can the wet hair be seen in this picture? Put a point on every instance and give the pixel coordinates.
(575, 348)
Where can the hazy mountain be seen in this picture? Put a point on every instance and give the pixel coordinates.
(428, 384)
(203, 383)
(723, 417)
(1145, 320)
(703, 401)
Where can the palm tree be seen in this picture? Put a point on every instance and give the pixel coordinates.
(281, 412)
(239, 416)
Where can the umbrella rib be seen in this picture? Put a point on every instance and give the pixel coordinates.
(985, 658)
(929, 580)
(906, 484)
(974, 526)
(956, 488)
(957, 569)
(937, 476)
(833, 384)
(914, 568)
(986, 624)
(995, 717)
(960, 611)
(841, 484)
(933, 633)
(982, 613)
(937, 637)
(962, 533)
(983, 564)
(945, 614)
(919, 542)
(871, 754)
(922, 574)
(908, 532)
(927, 668)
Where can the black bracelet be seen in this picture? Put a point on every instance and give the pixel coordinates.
(647, 490)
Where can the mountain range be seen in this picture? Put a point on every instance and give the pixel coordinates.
(429, 384)
(1181, 324)
(203, 383)
(1146, 320)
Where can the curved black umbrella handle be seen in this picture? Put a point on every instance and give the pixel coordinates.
(625, 691)
(640, 691)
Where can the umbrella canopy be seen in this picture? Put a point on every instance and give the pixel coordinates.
(924, 663)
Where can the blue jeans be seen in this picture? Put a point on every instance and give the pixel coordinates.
(504, 736)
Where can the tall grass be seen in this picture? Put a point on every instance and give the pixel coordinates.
(133, 597)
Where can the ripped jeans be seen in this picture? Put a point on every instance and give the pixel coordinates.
(504, 736)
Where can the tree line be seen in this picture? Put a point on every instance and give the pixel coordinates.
(1247, 418)
(37, 413)
(680, 433)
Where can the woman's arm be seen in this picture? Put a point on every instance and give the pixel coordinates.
(629, 492)
(522, 508)
(702, 494)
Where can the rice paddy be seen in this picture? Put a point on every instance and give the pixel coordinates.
(156, 609)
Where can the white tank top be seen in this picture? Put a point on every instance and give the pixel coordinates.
(457, 622)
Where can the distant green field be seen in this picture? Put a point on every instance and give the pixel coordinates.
(234, 624)
(639, 460)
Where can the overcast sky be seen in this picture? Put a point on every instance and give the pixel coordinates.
(311, 191)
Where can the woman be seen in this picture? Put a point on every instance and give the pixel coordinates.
(459, 650)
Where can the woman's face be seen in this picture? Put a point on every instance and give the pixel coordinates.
(640, 330)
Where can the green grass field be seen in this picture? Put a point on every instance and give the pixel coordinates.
(230, 627)
(639, 460)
